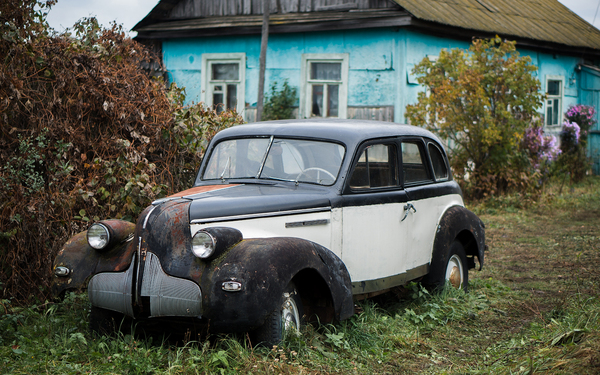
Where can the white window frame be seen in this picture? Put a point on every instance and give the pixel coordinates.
(305, 87)
(560, 98)
(206, 95)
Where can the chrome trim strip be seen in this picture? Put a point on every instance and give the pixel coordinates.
(298, 224)
(147, 216)
(261, 215)
(137, 270)
(369, 286)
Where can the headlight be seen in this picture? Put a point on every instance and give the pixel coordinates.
(98, 236)
(203, 244)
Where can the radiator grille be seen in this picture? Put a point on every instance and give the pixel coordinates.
(169, 296)
(112, 290)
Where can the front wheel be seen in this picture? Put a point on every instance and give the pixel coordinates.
(285, 319)
(452, 269)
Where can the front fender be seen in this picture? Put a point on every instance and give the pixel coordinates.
(265, 267)
(83, 261)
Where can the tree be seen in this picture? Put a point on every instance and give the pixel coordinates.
(482, 100)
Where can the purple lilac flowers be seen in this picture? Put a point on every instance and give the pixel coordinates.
(570, 132)
(541, 148)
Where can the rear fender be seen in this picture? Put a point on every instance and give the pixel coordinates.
(458, 223)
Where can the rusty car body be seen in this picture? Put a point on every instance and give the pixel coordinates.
(287, 222)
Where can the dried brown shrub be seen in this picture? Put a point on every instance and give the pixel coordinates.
(85, 135)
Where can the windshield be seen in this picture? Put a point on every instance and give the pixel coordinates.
(297, 160)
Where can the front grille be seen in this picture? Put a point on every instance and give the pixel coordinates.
(112, 290)
(169, 296)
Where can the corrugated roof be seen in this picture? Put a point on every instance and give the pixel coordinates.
(543, 20)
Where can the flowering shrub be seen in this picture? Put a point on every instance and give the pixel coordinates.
(569, 136)
(584, 116)
(541, 149)
(573, 161)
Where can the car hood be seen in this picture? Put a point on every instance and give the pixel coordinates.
(221, 201)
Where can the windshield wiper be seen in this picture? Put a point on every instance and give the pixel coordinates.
(224, 169)
(264, 159)
(278, 179)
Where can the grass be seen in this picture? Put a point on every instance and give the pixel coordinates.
(534, 309)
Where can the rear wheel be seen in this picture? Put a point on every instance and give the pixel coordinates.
(452, 269)
(284, 320)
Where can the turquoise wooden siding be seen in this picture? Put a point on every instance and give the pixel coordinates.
(590, 95)
(379, 66)
(380, 61)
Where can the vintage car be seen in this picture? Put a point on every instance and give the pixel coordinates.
(287, 222)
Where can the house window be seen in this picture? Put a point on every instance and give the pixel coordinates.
(324, 86)
(223, 77)
(554, 92)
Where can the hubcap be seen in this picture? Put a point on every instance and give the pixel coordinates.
(289, 314)
(454, 271)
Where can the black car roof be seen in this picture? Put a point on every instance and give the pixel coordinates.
(349, 132)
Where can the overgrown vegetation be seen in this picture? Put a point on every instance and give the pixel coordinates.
(482, 100)
(280, 103)
(535, 308)
(84, 134)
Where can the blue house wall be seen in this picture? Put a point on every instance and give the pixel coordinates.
(380, 61)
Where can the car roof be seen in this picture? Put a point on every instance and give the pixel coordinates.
(349, 132)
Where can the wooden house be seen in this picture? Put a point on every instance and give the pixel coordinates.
(353, 58)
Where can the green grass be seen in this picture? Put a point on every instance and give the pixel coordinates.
(534, 309)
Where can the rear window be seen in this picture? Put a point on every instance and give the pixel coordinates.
(438, 163)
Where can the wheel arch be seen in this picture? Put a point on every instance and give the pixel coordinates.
(469, 242)
(315, 295)
(458, 223)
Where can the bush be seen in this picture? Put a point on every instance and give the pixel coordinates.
(573, 161)
(280, 104)
(482, 100)
(86, 134)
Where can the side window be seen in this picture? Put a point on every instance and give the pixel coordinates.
(437, 161)
(414, 166)
(377, 167)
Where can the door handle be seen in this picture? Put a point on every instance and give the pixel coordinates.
(407, 208)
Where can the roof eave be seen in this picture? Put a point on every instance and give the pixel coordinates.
(244, 25)
(438, 29)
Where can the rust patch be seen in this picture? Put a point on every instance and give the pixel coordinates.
(200, 189)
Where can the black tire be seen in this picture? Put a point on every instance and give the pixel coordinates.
(451, 268)
(287, 318)
(106, 322)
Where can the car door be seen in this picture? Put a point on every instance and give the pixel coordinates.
(428, 197)
(373, 201)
